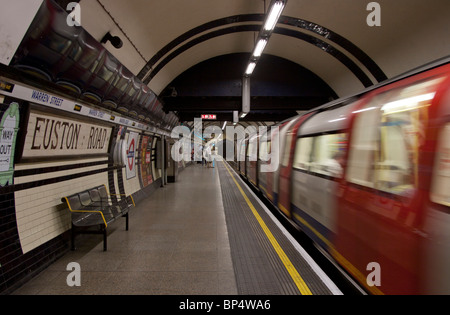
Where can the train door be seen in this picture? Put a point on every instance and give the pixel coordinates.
(284, 201)
(279, 149)
(316, 171)
(242, 156)
(438, 219)
(264, 161)
(252, 160)
(274, 154)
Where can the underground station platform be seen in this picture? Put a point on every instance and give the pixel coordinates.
(206, 234)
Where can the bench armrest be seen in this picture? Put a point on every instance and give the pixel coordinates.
(85, 211)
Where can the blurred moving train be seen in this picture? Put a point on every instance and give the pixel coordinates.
(368, 180)
(70, 57)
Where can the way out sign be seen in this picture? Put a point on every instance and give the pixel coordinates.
(9, 126)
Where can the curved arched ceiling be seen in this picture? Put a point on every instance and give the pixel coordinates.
(163, 39)
(279, 89)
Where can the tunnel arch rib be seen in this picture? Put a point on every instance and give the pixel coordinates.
(158, 61)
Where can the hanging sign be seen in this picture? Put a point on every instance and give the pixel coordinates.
(146, 160)
(209, 117)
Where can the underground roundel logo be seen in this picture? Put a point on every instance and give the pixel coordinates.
(130, 154)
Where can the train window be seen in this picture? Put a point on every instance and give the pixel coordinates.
(302, 158)
(328, 154)
(403, 123)
(264, 150)
(388, 132)
(364, 144)
(441, 173)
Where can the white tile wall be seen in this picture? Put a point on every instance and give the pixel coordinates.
(39, 212)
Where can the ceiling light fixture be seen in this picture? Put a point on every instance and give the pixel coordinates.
(250, 68)
(276, 7)
(275, 10)
(274, 15)
(260, 48)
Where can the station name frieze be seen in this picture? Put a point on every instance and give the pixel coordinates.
(46, 98)
(50, 135)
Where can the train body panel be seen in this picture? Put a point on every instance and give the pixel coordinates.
(278, 151)
(319, 155)
(284, 200)
(437, 214)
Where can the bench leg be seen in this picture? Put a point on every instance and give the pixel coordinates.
(126, 223)
(72, 238)
(105, 237)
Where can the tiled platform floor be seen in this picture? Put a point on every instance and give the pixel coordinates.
(175, 245)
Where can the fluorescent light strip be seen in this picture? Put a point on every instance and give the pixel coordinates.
(260, 47)
(250, 68)
(274, 15)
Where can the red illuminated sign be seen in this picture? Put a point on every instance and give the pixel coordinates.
(209, 117)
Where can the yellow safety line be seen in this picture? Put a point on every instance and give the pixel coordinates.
(300, 283)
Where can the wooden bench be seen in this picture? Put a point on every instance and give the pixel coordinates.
(95, 207)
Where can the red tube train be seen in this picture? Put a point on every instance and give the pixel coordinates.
(367, 178)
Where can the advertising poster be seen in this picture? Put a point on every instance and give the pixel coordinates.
(146, 161)
(9, 126)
